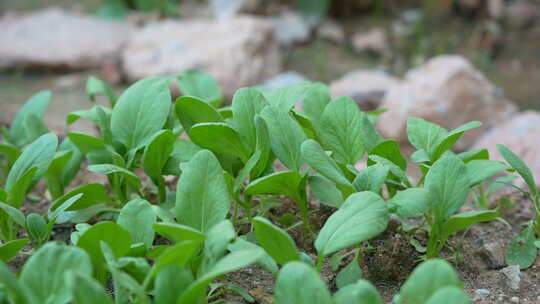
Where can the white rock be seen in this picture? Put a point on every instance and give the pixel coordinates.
(482, 293)
(367, 87)
(291, 28)
(56, 38)
(231, 8)
(374, 40)
(331, 31)
(238, 51)
(283, 80)
(496, 8)
(448, 91)
(512, 277)
(514, 300)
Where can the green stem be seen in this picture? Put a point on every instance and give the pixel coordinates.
(482, 199)
(320, 260)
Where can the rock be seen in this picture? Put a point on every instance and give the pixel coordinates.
(231, 8)
(283, 80)
(331, 31)
(373, 41)
(481, 293)
(522, 13)
(366, 87)
(56, 38)
(449, 91)
(291, 28)
(518, 133)
(514, 299)
(493, 253)
(512, 277)
(239, 51)
(496, 8)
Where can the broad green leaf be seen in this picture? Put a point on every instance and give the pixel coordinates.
(178, 254)
(89, 114)
(518, 164)
(44, 273)
(14, 288)
(427, 279)
(36, 227)
(370, 136)
(155, 156)
(326, 191)
(315, 101)
(450, 295)
(21, 187)
(392, 168)
(231, 262)
(286, 136)
(285, 182)
(15, 214)
(10, 151)
(480, 170)
(275, 241)
(38, 154)
(349, 274)
(409, 203)
(95, 86)
(140, 112)
(217, 239)
(93, 194)
(371, 178)
(340, 130)
(266, 261)
(246, 103)
(424, 135)
(461, 221)
(305, 123)
(107, 169)
(86, 290)
(53, 175)
(182, 152)
(202, 197)
(448, 184)
(36, 105)
(452, 137)
(285, 98)
(522, 250)
(263, 145)
(201, 85)
(389, 149)
(468, 156)
(34, 127)
(318, 160)
(138, 218)
(10, 249)
(359, 292)
(219, 138)
(363, 216)
(191, 110)
(73, 165)
(118, 239)
(299, 283)
(170, 283)
(177, 233)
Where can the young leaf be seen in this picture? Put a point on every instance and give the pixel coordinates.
(177, 233)
(276, 242)
(39, 154)
(118, 239)
(10, 249)
(34, 127)
(389, 149)
(461, 221)
(424, 135)
(362, 216)
(359, 292)
(202, 198)
(86, 290)
(182, 152)
(36, 105)
(317, 159)
(191, 110)
(285, 182)
(155, 157)
(107, 169)
(298, 283)
(286, 136)
(482, 169)
(137, 217)
(21, 187)
(95, 86)
(409, 203)
(522, 250)
(262, 145)
(371, 178)
(427, 279)
(349, 275)
(201, 85)
(15, 214)
(285, 98)
(10, 151)
(266, 261)
(44, 273)
(92, 194)
(340, 130)
(326, 191)
(452, 137)
(448, 183)
(315, 101)
(246, 104)
(53, 175)
(450, 294)
(170, 283)
(520, 167)
(219, 138)
(140, 112)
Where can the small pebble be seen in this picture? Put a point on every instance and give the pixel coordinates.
(481, 293)
(514, 299)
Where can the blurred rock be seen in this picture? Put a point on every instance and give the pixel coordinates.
(522, 13)
(492, 253)
(56, 38)
(366, 87)
(521, 134)
(481, 293)
(291, 28)
(496, 8)
(331, 31)
(237, 51)
(231, 8)
(374, 40)
(283, 80)
(511, 277)
(449, 91)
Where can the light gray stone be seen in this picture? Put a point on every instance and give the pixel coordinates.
(283, 80)
(57, 38)
(374, 40)
(291, 28)
(239, 51)
(331, 31)
(481, 293)
(511, 277)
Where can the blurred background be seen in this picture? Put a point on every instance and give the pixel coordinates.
(360, 47)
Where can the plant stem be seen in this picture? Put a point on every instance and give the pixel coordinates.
(320, 260)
